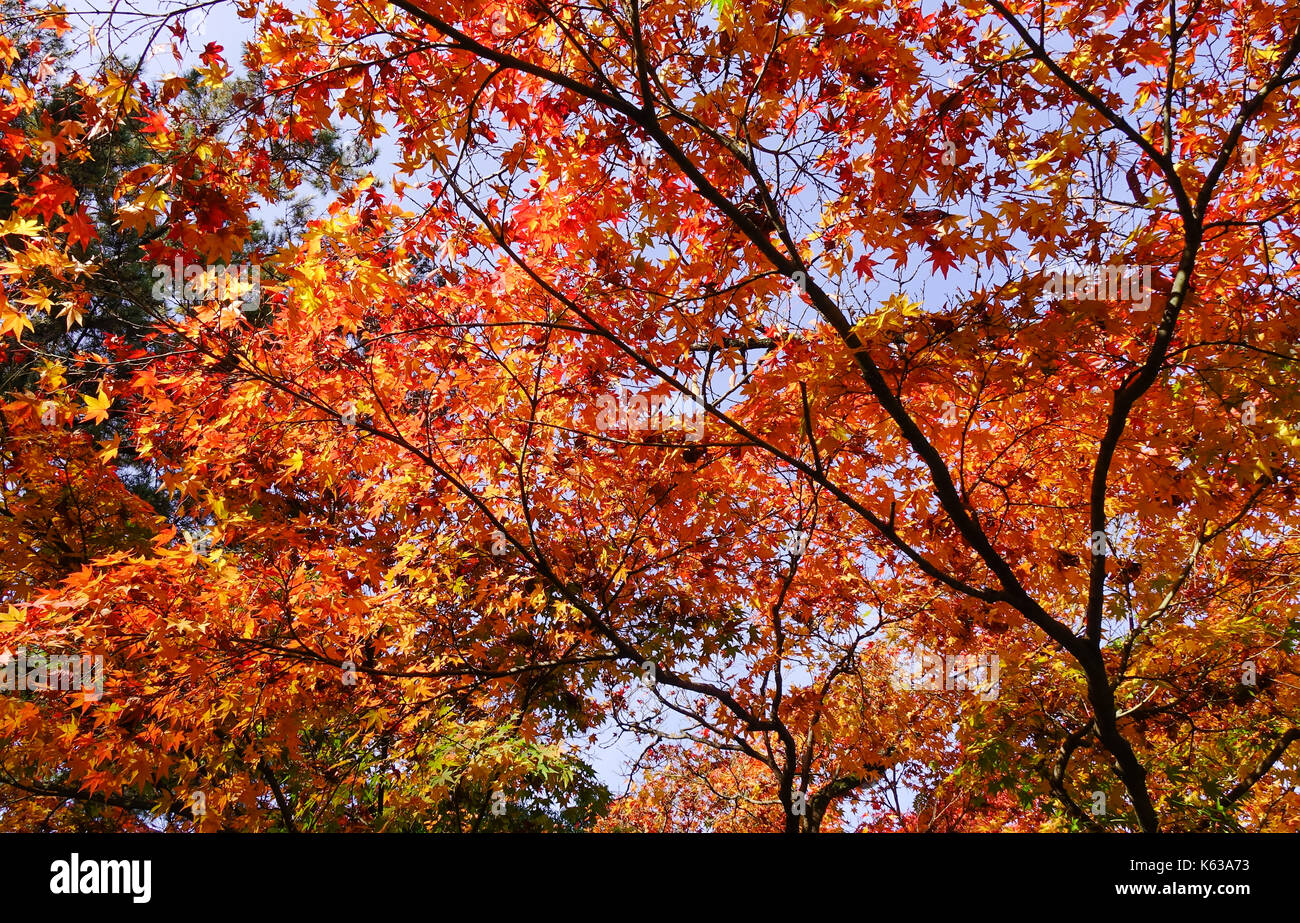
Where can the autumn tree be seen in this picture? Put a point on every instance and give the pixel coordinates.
(74, 491)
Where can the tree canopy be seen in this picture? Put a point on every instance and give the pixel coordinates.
(875, 415)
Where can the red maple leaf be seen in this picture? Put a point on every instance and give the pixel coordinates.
(80, 229)
(50, 195)
(156, 123)
(942, 259)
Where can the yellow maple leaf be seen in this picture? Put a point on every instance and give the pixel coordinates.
(21, 227)
(152, 199)
(97, 406)
(15, 322)
(134, 218)
(37, 298)
(71, 314)
(108, 450)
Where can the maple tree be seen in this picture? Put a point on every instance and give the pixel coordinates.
(697, 366)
